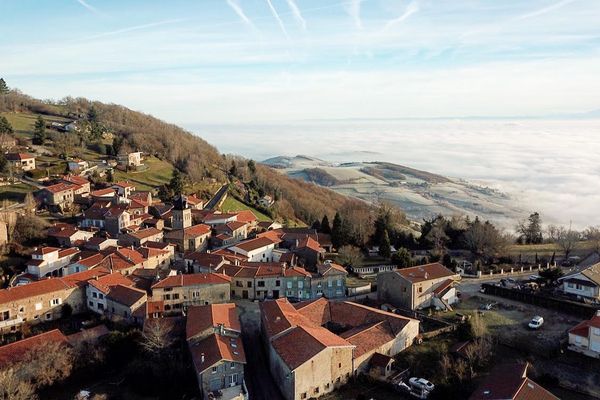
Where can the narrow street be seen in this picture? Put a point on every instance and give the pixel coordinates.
(259, 381)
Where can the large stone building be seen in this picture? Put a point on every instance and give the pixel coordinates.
(308, 360)
(179, 292)
(213, 335)
(430, 285)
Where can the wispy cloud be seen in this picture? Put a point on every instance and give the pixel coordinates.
(89, 7)
(354, 12)
(544, 10)
(297, 13)
(411, 8)
(235, 6)
(279, 21)
(135, 28)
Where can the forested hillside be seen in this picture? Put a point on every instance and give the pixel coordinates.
(189, 153)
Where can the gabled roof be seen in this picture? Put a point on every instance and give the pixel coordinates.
(246, 216)
(331, 269)
(210, 278)
(16, 351)
(425, 272)
(254, 244)
(214, 349)
(201, 318)
(125, 295)
(60, 187)
(583, 328)
(106, 282)
(18, 156)
(145, 233)
(123, 184)
(380, 360)
(311, 244)
(33, 289)
(77, 180)
(509, 381)
(45, 250)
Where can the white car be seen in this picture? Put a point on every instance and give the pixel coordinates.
(536, 322)
(421, 383)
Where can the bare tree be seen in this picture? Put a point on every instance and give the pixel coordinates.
(47, 364)
(13, 387)
(157, 336)
(567, 240)
(592, 235)
(349, 256)
(478, 326)
(484, 239)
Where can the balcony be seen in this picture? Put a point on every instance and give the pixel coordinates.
(10, 322)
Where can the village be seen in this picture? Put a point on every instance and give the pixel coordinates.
(250, 295)
(123, 279)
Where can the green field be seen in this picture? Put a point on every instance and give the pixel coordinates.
(15, 193)
(233, 204)
(158, 173)
(23, 123)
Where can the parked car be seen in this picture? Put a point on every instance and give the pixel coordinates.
(402, 387)
(536, 322)
(534, 277)
(421, 383)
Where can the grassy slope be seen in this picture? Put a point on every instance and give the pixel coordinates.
(158, 173)
(233, 204)
(15, 193)
(23, 123)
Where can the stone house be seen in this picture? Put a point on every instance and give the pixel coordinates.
(140, 237)
(21, 161)
(133, 159)
(213, 333)
(68, 235)
(98, 288)
(430, 285)
(83, 185)
(122, 301)
(60, 195)
(182, 291)
(329, 281)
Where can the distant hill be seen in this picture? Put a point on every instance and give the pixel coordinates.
(420, 194)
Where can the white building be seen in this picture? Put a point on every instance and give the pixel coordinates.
(258, 250)
(583, 284)
(585, 337)
(50, 261)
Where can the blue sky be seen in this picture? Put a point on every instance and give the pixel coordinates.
(246, 61)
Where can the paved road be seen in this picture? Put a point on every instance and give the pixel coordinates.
(216, 198)
(259, 381)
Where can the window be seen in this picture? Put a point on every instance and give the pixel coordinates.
(303, 395)
(249, 283)
(232, 365)
(317, 390)
(327, 386)
(578, 286)
(95, 295)
(260, 283)
(101, 295)
(277, 283)
(195, 295)
(48, 316)
(340, 365)
(578, 339)
(339, 282)
(596, 331)
(420, 289)
(239, 284)
(55, 302)
(289, 284)
(404, 289)
(570, 285)
(214, 370)
(177, 306)
(167, 307)
(300, 284)
(4, 315)
(91, 303)
(167, 297)
(175, 296)
(329, 283)
(100, 306)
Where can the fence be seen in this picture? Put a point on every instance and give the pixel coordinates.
(506, 272)
(542, 300)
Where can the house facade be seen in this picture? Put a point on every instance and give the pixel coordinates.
(21, 161)
(430, 285)
(583, 284)
(179, 292)
(585, 337)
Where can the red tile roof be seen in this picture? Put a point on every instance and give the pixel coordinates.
(104, 283)
(18, 156)
(214, 349)
(425, 272)
(246, 216)
(45, 250)
(201, 318)
(77, 180)
(124, 184)
(125, 294)
(61, 187)
(103, 192)
(254, 244)
(509, 381)
(210, 278)
(145, 233)
(15, 352)
(582, 329)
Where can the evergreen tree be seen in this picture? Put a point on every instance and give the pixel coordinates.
(338, 236)
(3, 162)
(316, 225)
(5, 126)
(110, 176)
(402, 258)
(176, 183)
(385, 248)
(39, 132)
(325, 227)
(252, 167)
(233, 170)
(3, 87)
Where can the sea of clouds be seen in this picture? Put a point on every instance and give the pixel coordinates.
(551, 166)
